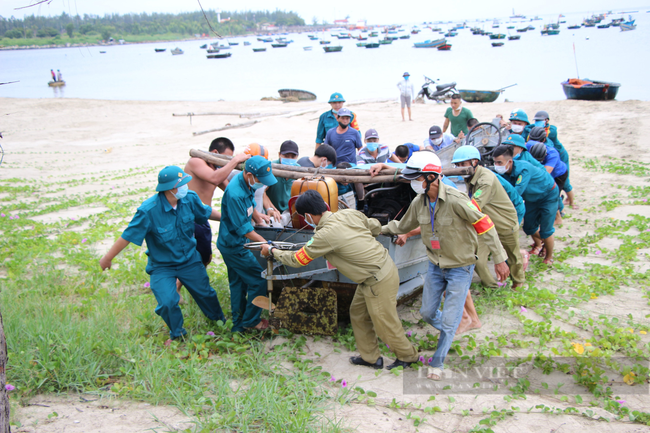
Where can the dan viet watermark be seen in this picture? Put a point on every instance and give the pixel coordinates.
(558, 376)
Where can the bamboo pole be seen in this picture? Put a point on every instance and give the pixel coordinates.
(350, 175)
(223, 128)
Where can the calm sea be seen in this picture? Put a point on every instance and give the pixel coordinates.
(536, 63)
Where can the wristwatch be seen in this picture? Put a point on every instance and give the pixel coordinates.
(271, 252)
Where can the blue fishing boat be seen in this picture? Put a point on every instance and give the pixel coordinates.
(430, 43)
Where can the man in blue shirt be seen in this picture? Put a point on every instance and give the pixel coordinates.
(328, 120)
(540, 195)
(403, 152)
(166, 221)
(343, 139)
(235, 230)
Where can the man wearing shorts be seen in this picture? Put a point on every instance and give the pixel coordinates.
(407, 94)
(206, 178)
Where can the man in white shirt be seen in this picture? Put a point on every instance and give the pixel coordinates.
(407, 94)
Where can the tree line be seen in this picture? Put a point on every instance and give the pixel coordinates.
(112, 25)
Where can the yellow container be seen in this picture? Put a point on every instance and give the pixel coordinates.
(326, 187)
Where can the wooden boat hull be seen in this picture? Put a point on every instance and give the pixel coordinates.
(599, 91)
(279, 45)
(212, 51)
(259, 50)
(497, 44)
(302, 95)
(219, 56)
(160, 50)
(479, 95)
(445, 47)
(56, 83)
(498, 36)
(372, 45)
(332, 49)
(514, 38)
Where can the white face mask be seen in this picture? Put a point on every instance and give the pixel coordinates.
(416, 185)
(437, 141)
(310, 221)
(517, 128)
(501, 169)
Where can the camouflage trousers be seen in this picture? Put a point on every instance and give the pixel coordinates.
(373, 312)
(510, 242)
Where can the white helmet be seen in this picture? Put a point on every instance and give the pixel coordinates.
(424, 162)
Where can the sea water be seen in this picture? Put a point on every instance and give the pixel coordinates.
(536, 63)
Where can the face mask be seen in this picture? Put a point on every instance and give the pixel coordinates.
(310, 224)
(501, 169)
(342, 125)
(330, 166)
(406, 78)
(517, 156)
(437, 141)
(517, 128)
(288, 161)
(372, 146)
(255, 185)
(182, 192)
(417, 186)
(540, 123)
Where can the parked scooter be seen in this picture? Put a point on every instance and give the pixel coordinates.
(442, 92)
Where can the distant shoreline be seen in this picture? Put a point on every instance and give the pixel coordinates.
(38, 47)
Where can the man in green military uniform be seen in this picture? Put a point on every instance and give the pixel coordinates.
(449, 224)
(347, 240)
(487, 194)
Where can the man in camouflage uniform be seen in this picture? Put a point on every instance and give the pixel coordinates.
(347, 240)
(449, 224)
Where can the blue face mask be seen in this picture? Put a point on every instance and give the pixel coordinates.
(372, 146)
(406, 78)
(310, 224)
(257, 185)
(540, 123)
(182, 192)
(288, 161)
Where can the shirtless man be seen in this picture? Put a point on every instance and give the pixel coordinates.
(206, 178)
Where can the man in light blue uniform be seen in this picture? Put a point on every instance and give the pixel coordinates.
(328, 119)
(542, 120)
(235, 230)
(520, 150)
(166, 222)
(540, 195)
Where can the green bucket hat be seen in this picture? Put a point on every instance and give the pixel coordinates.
(172, 177)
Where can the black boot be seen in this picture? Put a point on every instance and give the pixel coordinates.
(399, 363)
(357, 360)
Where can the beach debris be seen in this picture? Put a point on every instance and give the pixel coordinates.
(228, 126)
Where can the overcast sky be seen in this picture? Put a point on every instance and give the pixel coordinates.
(375, 12)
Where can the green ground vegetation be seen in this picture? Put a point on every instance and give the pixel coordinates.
(72, 328)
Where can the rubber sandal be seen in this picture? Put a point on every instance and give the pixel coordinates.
(525, 258)
(542, 252)
(434, 371)
(535, 250)
(549, 262)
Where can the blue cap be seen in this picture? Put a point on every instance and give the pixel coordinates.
(336, 97)
(465, 153)
(515, 140)
(344, 112)
(172, 177)
(519, 114)
(260, 167)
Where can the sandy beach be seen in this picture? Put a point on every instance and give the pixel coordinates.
(59, 140)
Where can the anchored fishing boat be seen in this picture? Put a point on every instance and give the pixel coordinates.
(590, 90)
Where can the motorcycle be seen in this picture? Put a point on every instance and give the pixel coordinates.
(442, 92)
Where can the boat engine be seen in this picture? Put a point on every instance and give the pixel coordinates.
(386, 202)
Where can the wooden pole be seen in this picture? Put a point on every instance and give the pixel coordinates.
(223, 128)
(4, 399)
(342, 176)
